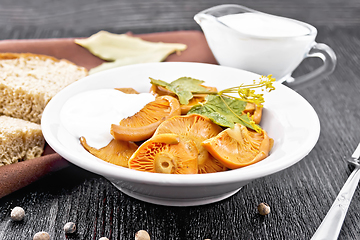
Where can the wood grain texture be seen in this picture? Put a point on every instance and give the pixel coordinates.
(299, 196)
(68, 18)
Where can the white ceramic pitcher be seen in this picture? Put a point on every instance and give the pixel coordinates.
(262, 52)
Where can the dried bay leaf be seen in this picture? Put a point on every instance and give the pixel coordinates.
(122, 49)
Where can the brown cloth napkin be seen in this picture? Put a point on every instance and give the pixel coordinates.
(15, 176)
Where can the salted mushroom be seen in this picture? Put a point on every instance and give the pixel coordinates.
(116, 152)
(239, 147)
(196, 128)
(165, 153)
(255, 111)
(143, 124)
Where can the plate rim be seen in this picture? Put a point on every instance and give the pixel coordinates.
(177, 180)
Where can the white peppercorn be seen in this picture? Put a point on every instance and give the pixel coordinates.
(41, 236)
(142, 235)
(69, 228)
(263, 208)
(17, 214)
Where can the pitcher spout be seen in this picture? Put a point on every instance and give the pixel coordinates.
(211, 15)
(202, 17)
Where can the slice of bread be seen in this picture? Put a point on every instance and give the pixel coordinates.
(28, 82)
(19, 140)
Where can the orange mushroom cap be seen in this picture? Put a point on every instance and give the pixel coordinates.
(165, 153)
(143, 124)
(239, 147)
(196, 128)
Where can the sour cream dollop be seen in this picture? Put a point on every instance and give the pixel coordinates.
(91, 113)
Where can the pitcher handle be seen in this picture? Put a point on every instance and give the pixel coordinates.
(327, 55)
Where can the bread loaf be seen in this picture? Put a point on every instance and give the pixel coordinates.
(19, 140)
(29, 81)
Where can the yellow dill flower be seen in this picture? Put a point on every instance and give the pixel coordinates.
(248, 93)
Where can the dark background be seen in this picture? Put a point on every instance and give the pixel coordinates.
(68, 18)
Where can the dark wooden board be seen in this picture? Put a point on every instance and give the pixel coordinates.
(299, 196)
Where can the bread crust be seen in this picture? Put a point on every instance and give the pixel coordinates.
(9, 55)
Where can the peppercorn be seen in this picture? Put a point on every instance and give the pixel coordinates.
(69, 228)
(17, 214)
(142, 235)
(103, 238)
(263, 208)
(41, 236)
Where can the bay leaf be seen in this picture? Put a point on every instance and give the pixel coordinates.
(122, 49)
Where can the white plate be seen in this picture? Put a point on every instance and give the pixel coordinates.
(288, 118)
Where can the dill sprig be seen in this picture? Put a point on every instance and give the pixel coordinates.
(248, 92)
(185, 88)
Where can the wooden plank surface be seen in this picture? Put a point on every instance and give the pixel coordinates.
(68, 18)
(299, 196)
